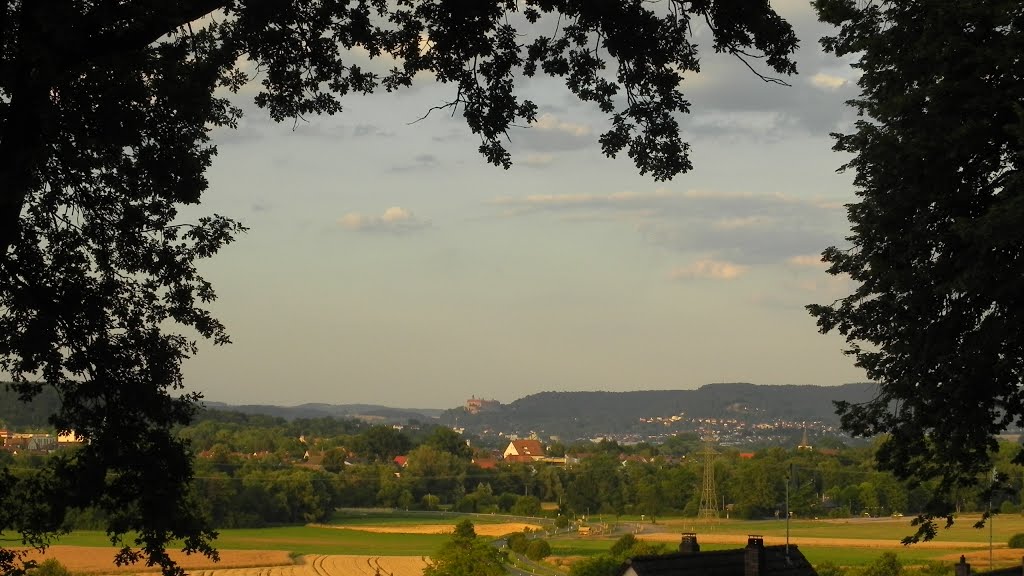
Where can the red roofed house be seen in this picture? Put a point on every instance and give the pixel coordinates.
(401, 461)
(485, 463)
(524, 451)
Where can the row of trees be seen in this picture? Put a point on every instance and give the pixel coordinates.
(250, 472)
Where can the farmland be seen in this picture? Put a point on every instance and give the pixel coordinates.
(398, 544)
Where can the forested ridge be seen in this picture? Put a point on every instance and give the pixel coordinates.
(320, 410)
(587, 410)
(710, 400)
(585, 414)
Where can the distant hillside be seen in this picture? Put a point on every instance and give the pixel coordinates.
(710, 401)
(572, 414)
(34, 415)
(20, 415)
(368, 412)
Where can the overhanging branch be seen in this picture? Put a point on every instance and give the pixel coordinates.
(133, 26)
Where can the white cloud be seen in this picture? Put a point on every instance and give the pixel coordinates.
(395, 219)
(420, 162)
(828, 81)
(760, 122)
(550, 123)
(537, 160)
(555, 201)
(807, 261)
(665, 199)
(739, 227)
(397, 214)
(743, 222)
(827, 288)
(710, 269)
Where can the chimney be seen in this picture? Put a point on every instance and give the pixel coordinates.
(689, 544)
(963, 568)
(753, 556)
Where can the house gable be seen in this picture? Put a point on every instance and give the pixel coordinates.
(525, 448)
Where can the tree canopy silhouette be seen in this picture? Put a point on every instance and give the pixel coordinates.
(106, 109)
(937, 244)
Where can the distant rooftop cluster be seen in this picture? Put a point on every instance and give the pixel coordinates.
(16, 442)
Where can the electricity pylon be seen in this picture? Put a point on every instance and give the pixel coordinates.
(708, 496)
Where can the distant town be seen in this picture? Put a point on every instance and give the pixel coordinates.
(752, 428)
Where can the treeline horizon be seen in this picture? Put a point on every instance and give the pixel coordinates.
(254, 470)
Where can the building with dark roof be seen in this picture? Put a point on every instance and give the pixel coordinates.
(755, 559)
(964, 569)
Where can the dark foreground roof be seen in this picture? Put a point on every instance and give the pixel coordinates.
(721, 563)
(1011, 571)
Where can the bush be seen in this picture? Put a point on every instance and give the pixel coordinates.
(601, 565)
(526, 506)
(562, 521)
(935, 569)
(629, 546)
(538, 549)
(829, 569)
(1008, 507)
(1016, 541)
(84, 519)
(888, 564)
(430, 502)
(506, 501)
(517, 542)
(49, 567)
(623, 545)
(840, 512)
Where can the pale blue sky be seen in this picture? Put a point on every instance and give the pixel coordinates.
(388, 263)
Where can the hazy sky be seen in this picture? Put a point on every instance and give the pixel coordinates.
(388, 263)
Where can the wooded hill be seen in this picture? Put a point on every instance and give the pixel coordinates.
(367, 412)
(573, 413)
(568, 414)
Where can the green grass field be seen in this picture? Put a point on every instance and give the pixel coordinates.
(885, 529)
(815, 554)
(868, 528)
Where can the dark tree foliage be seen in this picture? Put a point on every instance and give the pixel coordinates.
(610, 564)
(447, 440)
(937, 247)
(21, 415)
(382, 443)
(106, 108)
(538, 550)
(466, 555)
